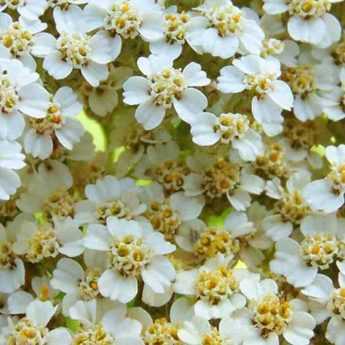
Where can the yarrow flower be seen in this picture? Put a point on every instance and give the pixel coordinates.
(163, 88)
(268, 94)
(133, 250)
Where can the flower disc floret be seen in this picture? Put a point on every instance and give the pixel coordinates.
(96, 335)
(74, 48)
(18, 40)
(8, 95)
(25, 332)
(123, 19)
(129, 256)
(319, 250)
(226, 19)
(309, 8)
(166, 86)
(272, 315)
(216, 286)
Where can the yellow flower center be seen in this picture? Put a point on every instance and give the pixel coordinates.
(17, 40)
(171, 175)
(7, 256)
(271, 46)
(164, 219)
(292, 207)
(42, 245)
(301, 79)
(8, 95)
(123, 19)
(88, 287)
(337, 177)
(220, 179)
(215, 241)
(272, 315)
(226, 19)
(93, 336)
(25, 332)
(301, 135)
(161, 332)
(337, 302)
(213, 338)
(231, 126)
(112, 208)
(319, 250)
(129, 256)
(216, 286)
(175, 27)
(61, 203)
(308, 9)
(74, 48)
(166, 86)
(272, 163)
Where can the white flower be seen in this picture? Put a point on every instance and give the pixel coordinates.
(290, 207)
(198, 331)
(172, 33)
(309, 21)
(309, 83)
(75, 48)
(103, 99)
(261, 324)
(126, 18)
(12, 270)
(300, 262)
(224, 29)
(30, 9)
(59, 123)
(75, 282)
(161, 162)
(169, 214)
(35, 242)
(109, 197)
(215, 287)
(260, 77)
(111, 327)
(327, 195)
(333, 101)
(11, 158)
(163, 88)
(47, 192)
(134, 250)
(34, 326)
(217, 178)
(19, 94)
(208, 129)
(17, 38)
(328, 301)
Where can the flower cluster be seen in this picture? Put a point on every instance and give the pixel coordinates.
(210, 207)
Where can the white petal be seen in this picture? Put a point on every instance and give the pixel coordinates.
(56, 67)
(194, 75)
(149, 115)
(136, 90)
(192, 101)
(117, 288)
(309, 31)
(281, 94)
(40, 312)
(94, 73)
(104, 48)
(34, 100)
(231, 80)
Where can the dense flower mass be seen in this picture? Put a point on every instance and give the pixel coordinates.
(172, 172)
